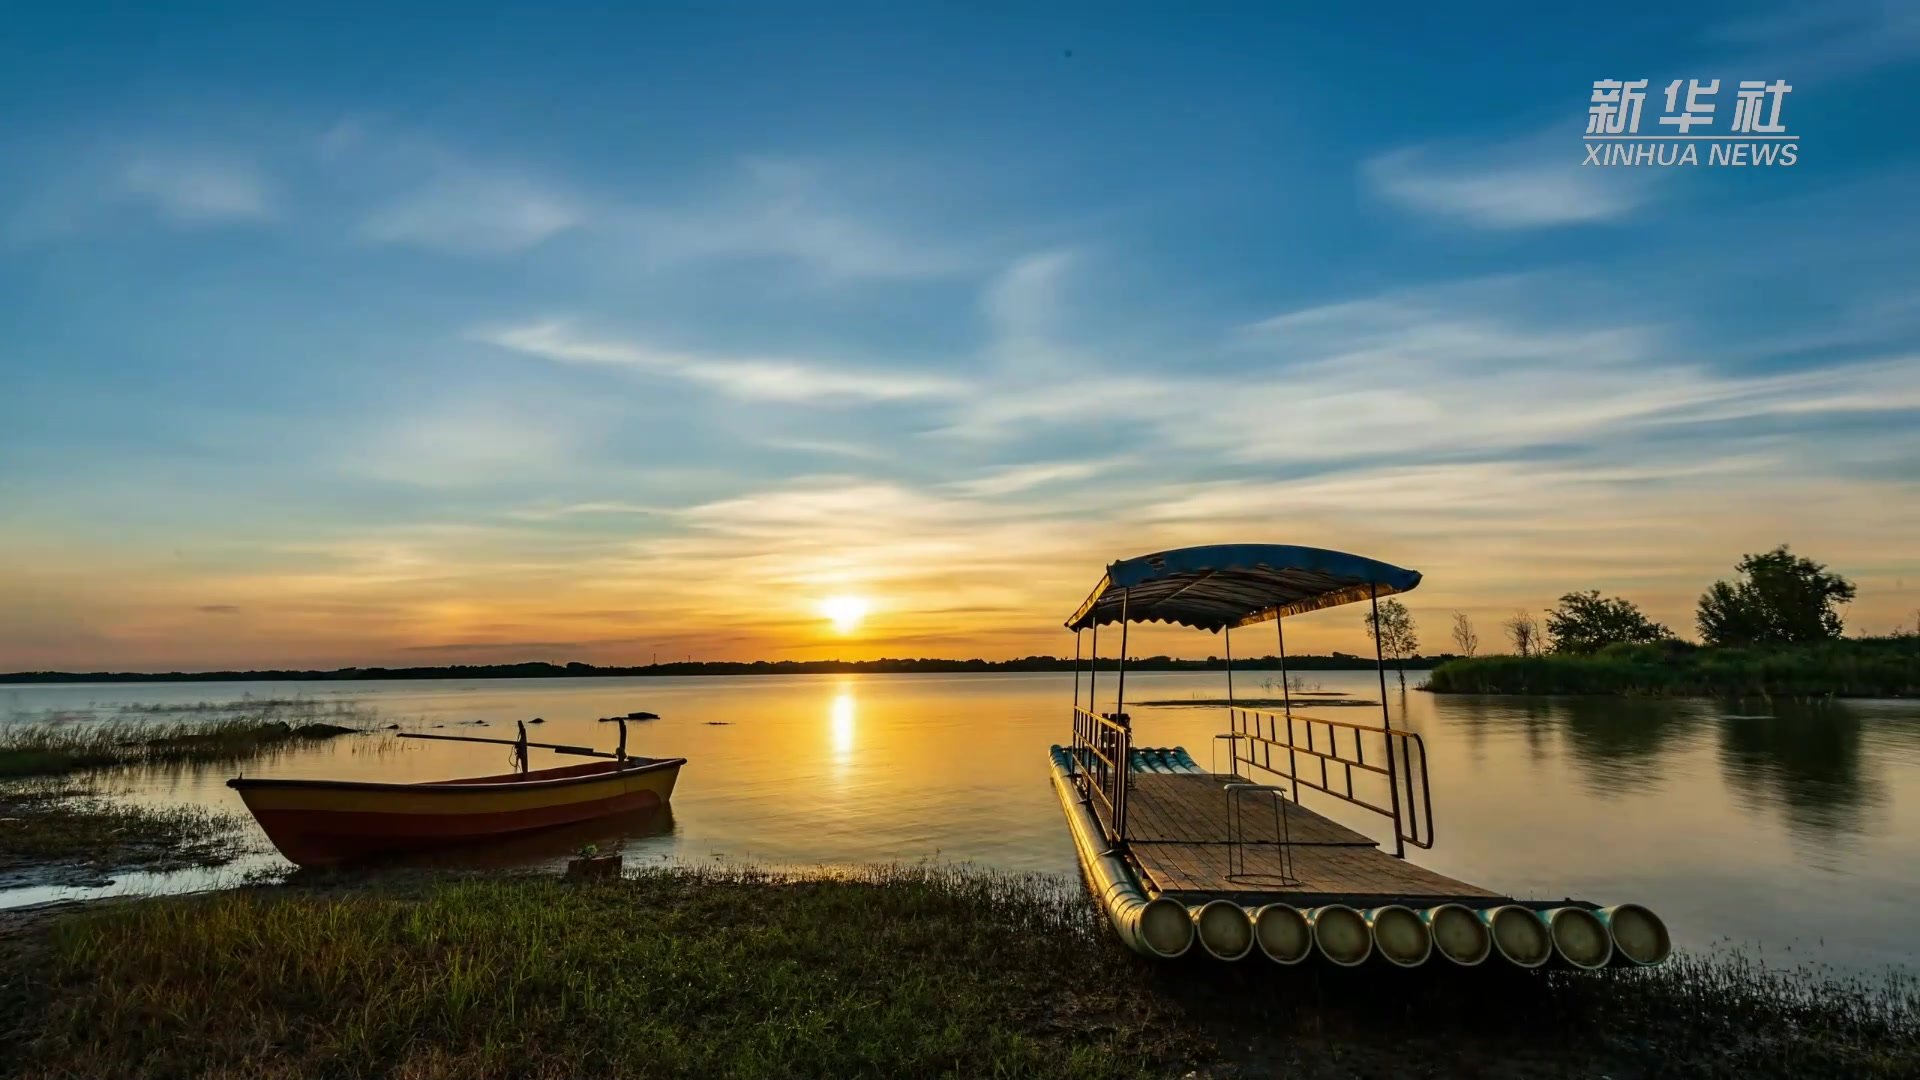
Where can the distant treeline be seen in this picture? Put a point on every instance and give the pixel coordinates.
(542, 670)
(1843, 667)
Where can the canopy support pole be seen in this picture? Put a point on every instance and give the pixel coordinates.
(1076, 671)
(1120, 696)
(1093, 672)
(1226, 635)
(1286, 695)
(1386, 721)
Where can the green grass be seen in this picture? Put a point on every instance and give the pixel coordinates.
(880, 973)
(1852, 667)
(52, 834)
(154, 735)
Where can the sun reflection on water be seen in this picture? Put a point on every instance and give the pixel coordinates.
(841, 717)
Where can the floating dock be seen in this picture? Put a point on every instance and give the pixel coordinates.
(1195, 868)
(1179, 855)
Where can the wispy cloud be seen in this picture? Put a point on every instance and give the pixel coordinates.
(432, 196)
(1536, 182)
(1840, 37)
(1482, 367)
(1017, 478)
(580, 509)
(474, 440)
(478, 212)
(764, 378)
(496, 651)
(189, 188)
(798, 211)
(416, 190)
(920, 554)
(828, 447)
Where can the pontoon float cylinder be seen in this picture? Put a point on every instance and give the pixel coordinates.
(1579, 937)
(1224, 928)
(1158, 927)
(1639, 937)
(1518, 934)
(1341, 934)
(1399, 936)
(1458, 934)
(1283, 933)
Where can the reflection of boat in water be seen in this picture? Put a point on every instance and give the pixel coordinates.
(320, 822)
(541, 848)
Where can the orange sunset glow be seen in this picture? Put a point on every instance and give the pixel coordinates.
(832, 568)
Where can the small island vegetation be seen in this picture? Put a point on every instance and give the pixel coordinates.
(1775, 630)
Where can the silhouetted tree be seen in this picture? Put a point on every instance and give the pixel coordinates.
(1780, 598)
(1465, 638)
(1394, 633)
(1586, 622)
(1524, 631)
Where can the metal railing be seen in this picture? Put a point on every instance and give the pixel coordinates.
(1101, 749)
(1277, 743)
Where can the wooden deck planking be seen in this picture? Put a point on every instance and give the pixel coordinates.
(1177, 831)
(1192, 807)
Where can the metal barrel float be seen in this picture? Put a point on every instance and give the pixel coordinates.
(1639, 937)
(1161, 912)
(1341, 934)
(1283, 933)
(1518, 935)
(1157, 927)
(1458, 934)
(1580, 939)
(1224, 928)
(1399, 937)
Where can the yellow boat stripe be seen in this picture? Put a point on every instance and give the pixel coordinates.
(455, 800)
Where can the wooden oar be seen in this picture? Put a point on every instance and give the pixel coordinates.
(559, 748)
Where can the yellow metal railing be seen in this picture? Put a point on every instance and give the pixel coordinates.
(1102, 747)
(1332, 751)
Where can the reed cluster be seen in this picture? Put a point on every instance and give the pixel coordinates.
(210, 733)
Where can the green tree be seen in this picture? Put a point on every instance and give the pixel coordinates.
(1779, 597)
(1394, 633)
(1586, 622)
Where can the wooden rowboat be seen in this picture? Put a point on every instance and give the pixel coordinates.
(320, 822)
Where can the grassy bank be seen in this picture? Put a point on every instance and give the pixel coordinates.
(211, 733)
(59, 835)
(904, 972)
(1852, 667)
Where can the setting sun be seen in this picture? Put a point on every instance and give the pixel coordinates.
(845, 612)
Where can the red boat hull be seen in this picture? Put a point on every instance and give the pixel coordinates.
(322, 822)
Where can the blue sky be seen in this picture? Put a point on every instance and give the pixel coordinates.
(487, 333)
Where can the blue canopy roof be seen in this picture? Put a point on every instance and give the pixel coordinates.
(1226, 585)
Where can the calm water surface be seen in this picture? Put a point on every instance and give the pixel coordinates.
(1791, 828)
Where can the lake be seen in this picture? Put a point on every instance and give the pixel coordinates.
(1791, 829)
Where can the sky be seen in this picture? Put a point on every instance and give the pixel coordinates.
(491, 333)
